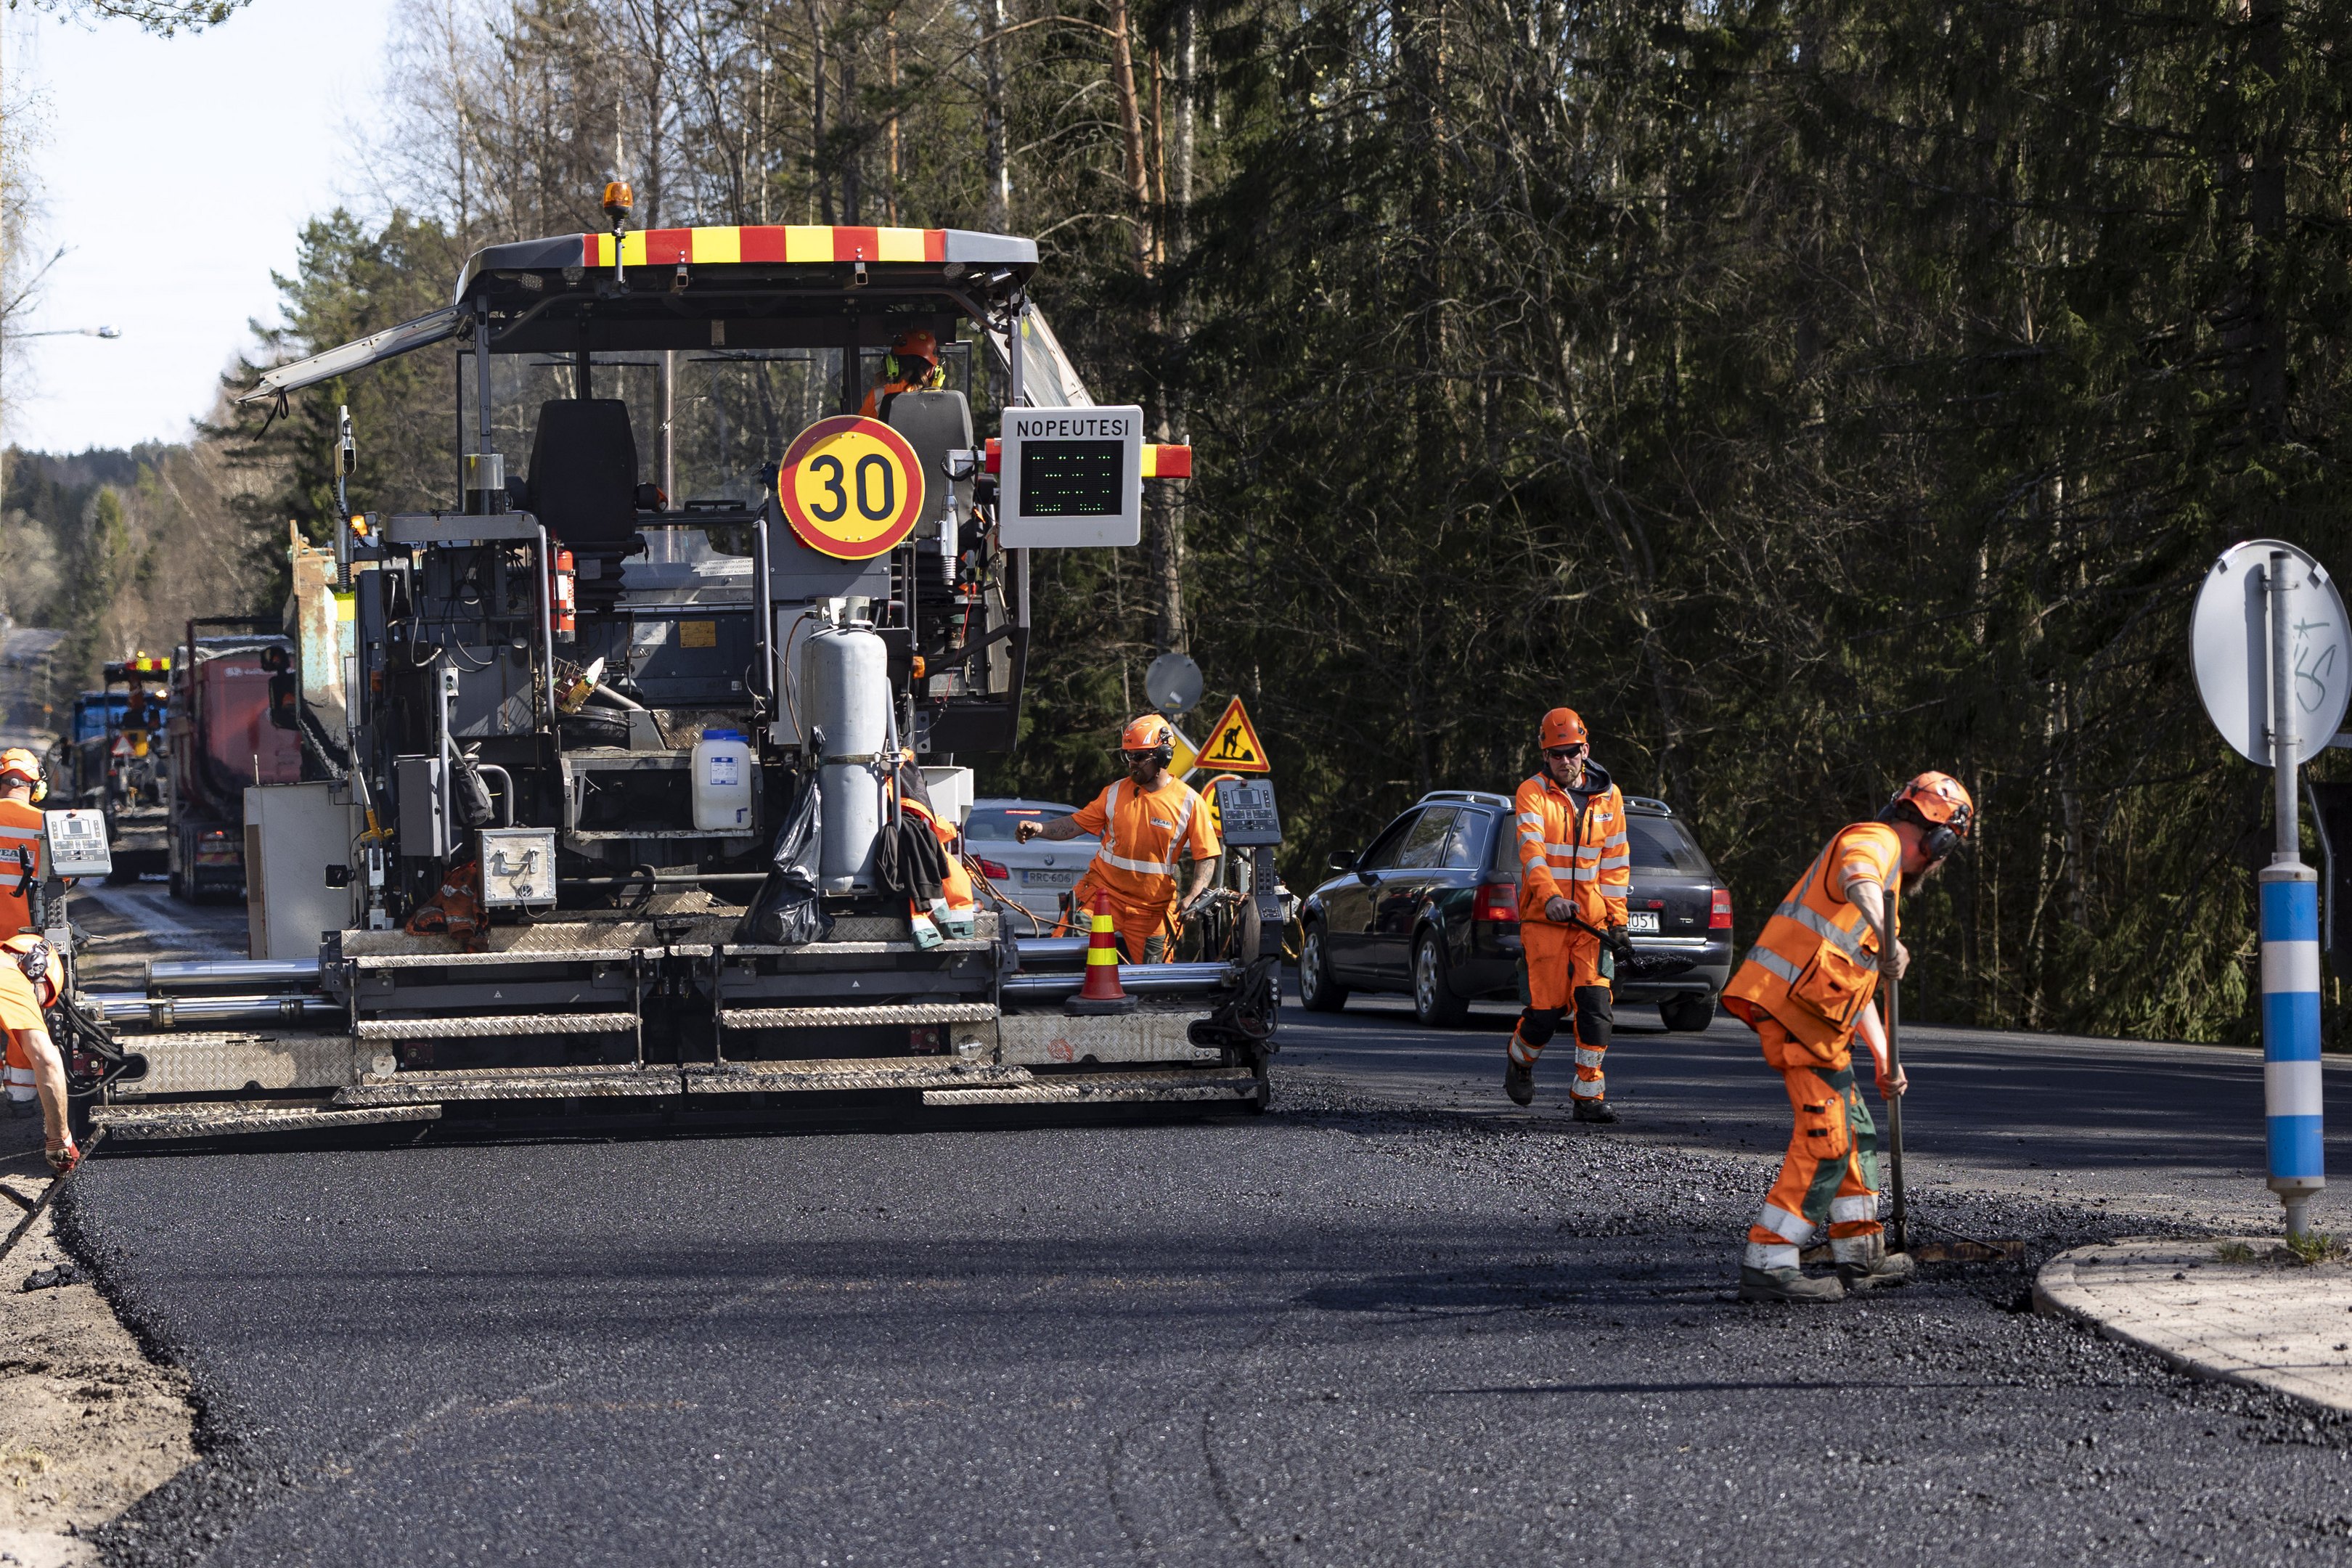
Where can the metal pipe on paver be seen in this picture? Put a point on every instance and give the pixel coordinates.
(1048, 949)
(2290, 942)
(234, 971)
(1136, 979)
(169, 1012)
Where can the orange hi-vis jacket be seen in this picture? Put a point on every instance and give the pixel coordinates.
(1147, 836)
(1814, 966)
(20, 828)
(1582, 856)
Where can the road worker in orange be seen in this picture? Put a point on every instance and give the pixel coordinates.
(1149, 823)
(30, 976)
(1575, 865)
(1806, 989)
(22, 842)
(913, 367)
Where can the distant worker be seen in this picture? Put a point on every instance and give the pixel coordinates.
(29, 979)
(1806, 989)
(1149, 821)
(913, 367)
(1574, 868)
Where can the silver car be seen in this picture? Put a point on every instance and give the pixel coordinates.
(1037, 874)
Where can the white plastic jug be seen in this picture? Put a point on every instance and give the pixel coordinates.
(723, 769)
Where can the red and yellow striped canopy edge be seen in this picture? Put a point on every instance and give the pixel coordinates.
(795, 242)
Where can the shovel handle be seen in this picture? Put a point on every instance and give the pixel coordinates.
(1898, 1217)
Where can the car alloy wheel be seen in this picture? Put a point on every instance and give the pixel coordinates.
(1433, 1002)
(1317, 991)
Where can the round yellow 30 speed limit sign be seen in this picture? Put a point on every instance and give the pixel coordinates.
(851, 486)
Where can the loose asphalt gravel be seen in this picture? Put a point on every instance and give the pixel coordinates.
(1370, 1327)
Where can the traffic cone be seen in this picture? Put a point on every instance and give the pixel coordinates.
(1101, 994)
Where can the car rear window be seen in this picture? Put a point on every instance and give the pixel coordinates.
(995, 823)
(1661, 844)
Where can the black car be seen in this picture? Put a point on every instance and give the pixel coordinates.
(1432, 908)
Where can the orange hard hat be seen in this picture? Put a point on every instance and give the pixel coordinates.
(1146, 733)
(1562, 726)
(18, 763)
(1940, 800)
(917, 343)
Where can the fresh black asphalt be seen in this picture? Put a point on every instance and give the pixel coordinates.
(1370, 1327)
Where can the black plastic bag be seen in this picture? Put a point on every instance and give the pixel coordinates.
(785, 912)
(469, 797)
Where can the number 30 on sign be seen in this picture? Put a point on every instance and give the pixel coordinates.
(851, 486)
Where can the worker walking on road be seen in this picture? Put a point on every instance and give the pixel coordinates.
(30, 977)
(1149, 823)
(1806, 989)
(1574, 868)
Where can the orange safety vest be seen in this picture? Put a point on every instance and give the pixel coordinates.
(1582, 856)
(20, 827)
(1814, 966)
(1145, 837)
(959, 880)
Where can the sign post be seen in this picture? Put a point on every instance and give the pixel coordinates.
(2273, 652)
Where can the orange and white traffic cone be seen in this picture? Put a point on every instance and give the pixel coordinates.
(1102, 993)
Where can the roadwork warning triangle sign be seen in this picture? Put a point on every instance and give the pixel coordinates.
(1233, 745)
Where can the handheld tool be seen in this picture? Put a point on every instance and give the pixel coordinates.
(1898, 1217)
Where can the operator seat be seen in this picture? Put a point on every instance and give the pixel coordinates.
(583, 472)
(935, 424)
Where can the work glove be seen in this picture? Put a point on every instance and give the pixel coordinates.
(1559, 911)
(64, 1159)
(1621, 944)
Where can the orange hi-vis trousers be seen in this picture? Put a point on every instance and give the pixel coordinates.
(1830, 1176)
(1562, 969)
(1144, 930)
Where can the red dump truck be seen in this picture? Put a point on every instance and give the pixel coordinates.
(222, 741)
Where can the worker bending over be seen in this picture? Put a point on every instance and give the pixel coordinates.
(1148, 824)
(21, 847)
(1574, 868)
(1806, 990)
(30, 976)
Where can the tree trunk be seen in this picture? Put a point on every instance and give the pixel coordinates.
(1130, 124)
(998, 212)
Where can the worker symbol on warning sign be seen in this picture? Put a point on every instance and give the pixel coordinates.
(1233, 745)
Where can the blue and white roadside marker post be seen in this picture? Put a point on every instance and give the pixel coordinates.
(2273, 653)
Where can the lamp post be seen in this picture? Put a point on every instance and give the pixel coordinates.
(105, 332)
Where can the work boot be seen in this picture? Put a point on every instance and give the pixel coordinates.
(1519, 1081)
(1883, 1272)
(1787, 1285)
(1594, 1111)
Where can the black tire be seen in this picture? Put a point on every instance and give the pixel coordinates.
(1434, 1001)
(1317, 992)
(1687, 1013)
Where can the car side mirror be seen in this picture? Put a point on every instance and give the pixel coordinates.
(1343, 862)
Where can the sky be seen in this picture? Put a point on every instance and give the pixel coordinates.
(178, 173)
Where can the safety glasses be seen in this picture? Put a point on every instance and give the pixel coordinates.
(1567, 754)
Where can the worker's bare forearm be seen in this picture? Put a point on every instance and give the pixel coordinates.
(1060, 828)
(1203, 873)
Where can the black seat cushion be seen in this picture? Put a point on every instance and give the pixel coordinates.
(583, 471)
(934, 424)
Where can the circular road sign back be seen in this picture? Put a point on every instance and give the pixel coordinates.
(851, 486)
(1173, 683)
(2229, 646)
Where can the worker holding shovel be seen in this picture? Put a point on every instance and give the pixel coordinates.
(1806, 989)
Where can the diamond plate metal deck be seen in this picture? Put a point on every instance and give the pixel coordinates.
(497, 1027)
(478, 960)
(1107, 1088)
(515, 1083)
(854, 1073)
(227, 1061)
(836, 1017)
(159, 1122)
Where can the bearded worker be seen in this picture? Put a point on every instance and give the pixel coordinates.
(1806, 989)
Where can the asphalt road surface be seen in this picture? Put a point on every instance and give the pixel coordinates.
(1393, 1321)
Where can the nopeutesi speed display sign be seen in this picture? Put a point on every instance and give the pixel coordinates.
(1071, 477)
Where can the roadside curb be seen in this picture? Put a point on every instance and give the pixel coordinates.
(2059, 1291)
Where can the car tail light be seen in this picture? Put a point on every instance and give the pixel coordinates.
(1719, 917)
(1496, 901)
(995, 872)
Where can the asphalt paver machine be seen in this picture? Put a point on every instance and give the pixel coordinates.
(625, 743)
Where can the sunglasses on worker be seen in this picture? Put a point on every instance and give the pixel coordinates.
(1567, 754)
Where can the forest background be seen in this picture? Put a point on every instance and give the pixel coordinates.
(1809, 392)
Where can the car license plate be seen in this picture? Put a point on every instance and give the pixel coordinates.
(1050, 880)
(1641, 922)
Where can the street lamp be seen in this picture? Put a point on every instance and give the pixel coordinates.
(72, 332)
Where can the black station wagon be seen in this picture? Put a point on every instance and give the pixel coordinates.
(1431, 908)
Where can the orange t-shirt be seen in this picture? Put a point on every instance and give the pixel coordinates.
(20, 1008)
(1145, 834)
(20, 827)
